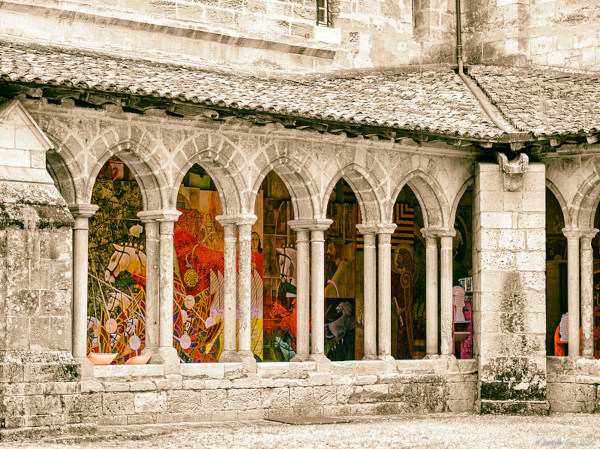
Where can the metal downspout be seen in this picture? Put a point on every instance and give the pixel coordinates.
(487, 106)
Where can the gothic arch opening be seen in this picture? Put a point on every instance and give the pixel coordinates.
(275, 244)
(462, 277)
(343, 276)
(408, 278)
(198, 264)
(556, 278)
(117, 265)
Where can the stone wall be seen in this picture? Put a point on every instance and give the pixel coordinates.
(225, 391)
(573, 385)
(556, 33)
(267, 33)
(35, 279)
(509, 287)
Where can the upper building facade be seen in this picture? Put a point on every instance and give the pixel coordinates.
(321, 34)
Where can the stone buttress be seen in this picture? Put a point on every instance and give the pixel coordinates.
(509, 280)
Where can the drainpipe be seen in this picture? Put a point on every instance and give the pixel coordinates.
(494, 116)
(459, 49)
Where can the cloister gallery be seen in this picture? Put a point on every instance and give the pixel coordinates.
(288, 256)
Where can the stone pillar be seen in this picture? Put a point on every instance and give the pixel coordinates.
(244, 224)
(229, 353)
(152, 231)
(384, 275)
(509, 283)
(431, 292)
(369, 290)
(82, 214)
(573, 236)
(36, 281)
(302, 290)
(166, 351)
(446, 305)
(317, 260)
(587, 294)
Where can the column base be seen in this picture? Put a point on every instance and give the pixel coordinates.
(322, 362)
(370, 357)
(431, 357)
(300, 358)
(168, 357)
(386, 358)
(87, 367)
(248, 361)
(230, 357)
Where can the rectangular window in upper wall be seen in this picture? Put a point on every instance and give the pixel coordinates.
(323, 16)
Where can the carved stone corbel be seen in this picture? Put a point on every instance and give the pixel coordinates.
(513, 170)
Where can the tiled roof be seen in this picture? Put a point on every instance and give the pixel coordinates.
(544, 102)
(434, 100)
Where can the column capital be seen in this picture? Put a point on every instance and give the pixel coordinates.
(430, 232)
(83, 210)
(587, 235)
(441, 232)
(236, 219)
(310, 224)
(367, 228)
(164, 215)
(386, 228)
(572, 233)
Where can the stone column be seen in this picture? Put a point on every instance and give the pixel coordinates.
(587, 293)
(152, 230)
(317, 243)
(431, 292)
(302, 290)
(244, 223)
(229, 353)
(573, 236)
(369, 290)
(446, 306)
(384, 275)
(82, 214)
(166, 352)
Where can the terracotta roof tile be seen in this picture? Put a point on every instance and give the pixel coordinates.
(434, 100)
(545, 102)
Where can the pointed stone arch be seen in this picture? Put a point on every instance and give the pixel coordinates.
(147, 171)
(585, 203)
(561, 201)
(363, 186)
(468, 183)
(68, 176)
(219, 166)
(430, 195)
(298, 181)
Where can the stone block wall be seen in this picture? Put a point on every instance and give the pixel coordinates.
(36, 366)
(573, 387)
(205, 392)
(557, 33)
(272, 34)
(509, 281)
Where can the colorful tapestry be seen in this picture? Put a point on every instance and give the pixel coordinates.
(199, 283)
(117, 265)
(279, 306)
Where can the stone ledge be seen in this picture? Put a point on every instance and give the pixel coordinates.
(33, 433)
(490, 407)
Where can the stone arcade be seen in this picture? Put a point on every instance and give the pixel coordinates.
(516, 140)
